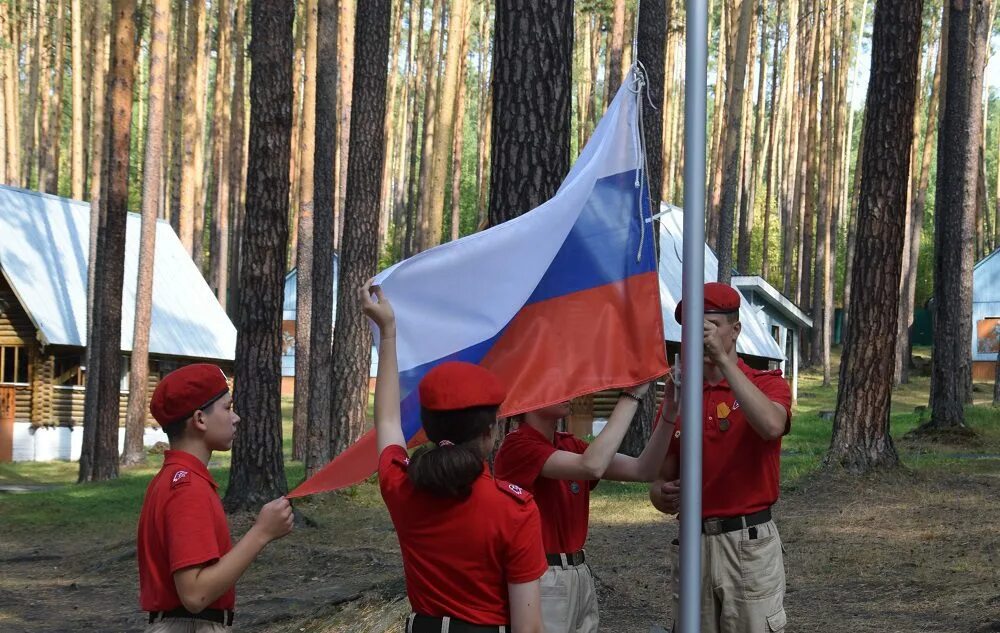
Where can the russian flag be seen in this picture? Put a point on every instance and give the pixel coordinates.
(560, 302)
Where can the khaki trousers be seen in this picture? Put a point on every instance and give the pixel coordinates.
(569, 600)
(742, 581)
(187, 625)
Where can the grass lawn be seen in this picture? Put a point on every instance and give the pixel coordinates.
(904, 551)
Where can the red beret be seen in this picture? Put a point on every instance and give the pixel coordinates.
(182, 392)
(719, 299)
(457, 385)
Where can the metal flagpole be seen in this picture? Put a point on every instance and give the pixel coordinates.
(692, 333)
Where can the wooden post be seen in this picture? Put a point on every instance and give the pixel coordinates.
(7, 408)
(581, 418)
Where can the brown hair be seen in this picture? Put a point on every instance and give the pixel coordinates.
(450, 470)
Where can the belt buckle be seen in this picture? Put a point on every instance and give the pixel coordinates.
(712, 527)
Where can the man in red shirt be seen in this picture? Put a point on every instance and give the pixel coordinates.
(745, 414)
(188, 567)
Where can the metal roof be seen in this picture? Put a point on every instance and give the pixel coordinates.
(753, 340)
(774, 298)
(44, 241)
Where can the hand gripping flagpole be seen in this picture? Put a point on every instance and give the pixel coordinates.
(692, 335)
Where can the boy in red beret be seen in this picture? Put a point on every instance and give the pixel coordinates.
(745, 413)
(188, 567)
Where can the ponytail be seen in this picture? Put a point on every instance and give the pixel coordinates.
(450, 470)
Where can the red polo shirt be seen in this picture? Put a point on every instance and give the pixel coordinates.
(740, 469)
(460, 555)
(182, 524)
(563, 504)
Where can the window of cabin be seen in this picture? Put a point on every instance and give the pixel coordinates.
(13, 364)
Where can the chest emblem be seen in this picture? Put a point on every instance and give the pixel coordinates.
(722, 410)
(574, 487)
(724, 424)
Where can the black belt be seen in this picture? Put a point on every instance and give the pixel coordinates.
(572, 560)
(731, 524)
(426, 624)
(219, 616)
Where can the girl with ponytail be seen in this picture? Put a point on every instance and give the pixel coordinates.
(471, 545)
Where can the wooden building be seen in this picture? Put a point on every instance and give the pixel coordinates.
(44, 242)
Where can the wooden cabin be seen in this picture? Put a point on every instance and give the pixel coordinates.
(43, 307)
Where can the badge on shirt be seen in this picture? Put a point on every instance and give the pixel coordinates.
(515, 489)
(723, 411)
(574, 487)
(180, 477)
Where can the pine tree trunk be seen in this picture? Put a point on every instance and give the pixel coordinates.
(421, 82)
(135, 419)
(447, 118)
(531, 104)
(352, 354)
(403, 236)
(429, 142)
(298, 84)
(723, 72)
(44, 54)
(79, 114)
(824, 209)
(98, 79)
(457, 145)
(486, 114)
(188, 98)
(861, 440)
(237, 162)
(55, 113)
(808, 192)
(220, 155)
(392, 135)
(304, 258)
(770, 169)
(258, 471)
(919, 204)
(200, 96)
(177, 121)
(345, 58)
(12, 102)
(752, 148)
(614, 72)
(958, 143)
(319, 423)
(99, 454)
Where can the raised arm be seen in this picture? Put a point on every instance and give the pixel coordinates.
(593, 462)
(388, 422)
(646, 466)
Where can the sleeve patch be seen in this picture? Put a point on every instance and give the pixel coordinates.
(180, 478)
(514, 491)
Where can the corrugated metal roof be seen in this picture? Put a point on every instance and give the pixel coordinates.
(753, 339)
(44, 241)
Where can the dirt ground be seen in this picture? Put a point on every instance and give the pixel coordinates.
(907, 551)
(901, 552)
